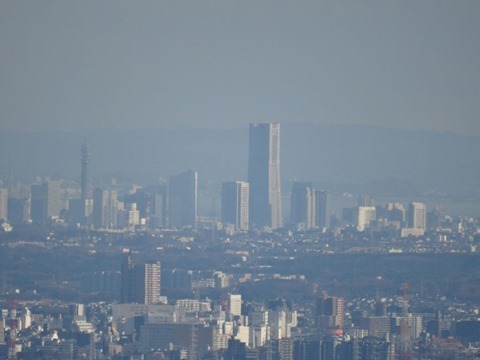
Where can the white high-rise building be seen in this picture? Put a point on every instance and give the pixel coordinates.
(150, 274)
(235, 202)
(417, 216)
(235, 304)
(3, 204)
(366, 214)
(133, 215)
(264, 176)
(26, 318)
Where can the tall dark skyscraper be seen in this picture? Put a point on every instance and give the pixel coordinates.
(45, 201)
(80, 210)
(158, 206)
(322, 200)
(127, 291)
(183, 199)
(86, 188)
(264, 176)
(105, 208)
(235, 204)
(38, 204)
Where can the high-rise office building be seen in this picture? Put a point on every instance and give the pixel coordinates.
(264, 176)
(150, 203)
(417, 216)
(140, 283)
(86, 194)
(3, 204)
(19, 210)
(365, 201)
(330, 311)
(366, 214)
(322, 199)
(158, 209)
(158, 215)
(80, 210)
(45, 201)
(310, 208)
(235, 304)
(235, 199)
(105, 209)
(86, 185)
(127, 286)
(183, 199)
(141, 200)
(395, 212)
(303, 209)
(77, 311)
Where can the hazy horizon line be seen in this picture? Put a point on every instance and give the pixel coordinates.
(181, 126)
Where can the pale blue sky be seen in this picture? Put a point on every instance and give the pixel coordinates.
(73, 65)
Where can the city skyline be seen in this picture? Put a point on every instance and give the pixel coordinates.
(201, 287)
(146, 204)
(393, 172)
(262, 179)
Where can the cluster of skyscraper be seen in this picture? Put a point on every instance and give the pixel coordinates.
(309, 208)
(246, 205)
(257, 204)
(411, 221)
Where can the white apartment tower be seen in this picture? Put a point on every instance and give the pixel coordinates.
(151, 273)
(235, 305)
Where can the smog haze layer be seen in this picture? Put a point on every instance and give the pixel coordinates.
(89, 65)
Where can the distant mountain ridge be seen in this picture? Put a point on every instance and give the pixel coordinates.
(335, 153)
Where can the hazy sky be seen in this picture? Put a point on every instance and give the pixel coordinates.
(71, 65)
